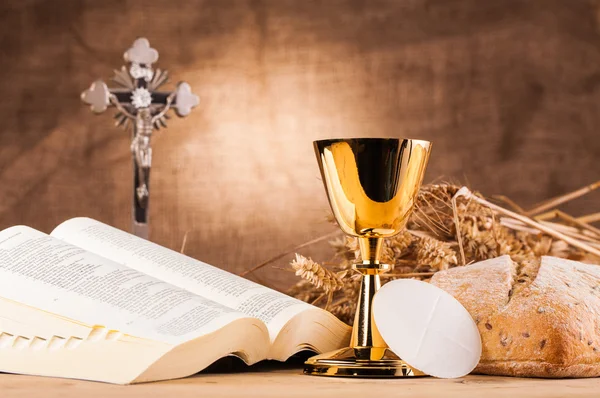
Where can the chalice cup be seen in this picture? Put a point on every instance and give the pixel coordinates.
(371, 185)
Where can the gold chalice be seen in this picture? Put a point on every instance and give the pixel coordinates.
(371, 184)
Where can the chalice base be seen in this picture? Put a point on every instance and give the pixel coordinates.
(360, 362)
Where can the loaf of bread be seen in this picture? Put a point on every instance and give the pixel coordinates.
(542, 320)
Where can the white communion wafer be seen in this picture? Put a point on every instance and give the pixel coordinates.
(427, 327)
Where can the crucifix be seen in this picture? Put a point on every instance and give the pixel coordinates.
(141, 108)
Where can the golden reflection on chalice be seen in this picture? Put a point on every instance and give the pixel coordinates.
(371, 185)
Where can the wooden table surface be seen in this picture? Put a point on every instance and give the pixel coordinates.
(277, 380)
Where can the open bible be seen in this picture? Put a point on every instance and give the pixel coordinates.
(92, 302)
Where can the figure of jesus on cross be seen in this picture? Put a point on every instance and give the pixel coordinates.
(140, 105)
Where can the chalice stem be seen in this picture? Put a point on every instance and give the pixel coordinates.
(370, 249)
(364, 331)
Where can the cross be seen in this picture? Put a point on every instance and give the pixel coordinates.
(141, 106)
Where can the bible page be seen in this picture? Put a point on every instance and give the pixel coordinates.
(52, 275)
(275, 309)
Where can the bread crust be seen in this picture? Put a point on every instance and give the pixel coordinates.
(533, 326)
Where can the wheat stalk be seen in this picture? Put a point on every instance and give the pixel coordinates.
(559, 200)
(316, 274)
(464, 191)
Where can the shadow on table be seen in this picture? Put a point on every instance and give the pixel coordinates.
(236, 365)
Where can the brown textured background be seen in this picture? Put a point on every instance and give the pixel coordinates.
(508, 91)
